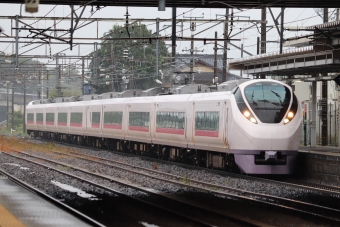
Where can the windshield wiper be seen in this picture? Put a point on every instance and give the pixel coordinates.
(252, 99)
(278, 96)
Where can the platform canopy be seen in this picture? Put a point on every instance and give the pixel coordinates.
(197, 3)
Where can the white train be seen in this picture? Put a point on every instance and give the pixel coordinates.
(256, 126)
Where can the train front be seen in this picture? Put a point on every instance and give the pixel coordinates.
(265, 134)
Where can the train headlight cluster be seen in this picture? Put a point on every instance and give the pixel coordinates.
(249, 116)
(289, 117)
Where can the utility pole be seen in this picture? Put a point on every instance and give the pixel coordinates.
(281, 30)
(95, 62)
(59, 81)
(7, 106)
(57, 74)
(215, 58)
(39, 88)
(191, 59)
(157, 48)
(131, 76)
(112, 67)
(13, 102)
(16, 41)
(173, 36)
(82, 75)
(24, 125)
(241, 57)
(263, 30)
(224, 76)
(47, 85)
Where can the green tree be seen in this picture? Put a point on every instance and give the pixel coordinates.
(141, 61)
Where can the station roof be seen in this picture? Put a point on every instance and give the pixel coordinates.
(197, 3)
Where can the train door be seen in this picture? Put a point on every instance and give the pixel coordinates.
(208, 125)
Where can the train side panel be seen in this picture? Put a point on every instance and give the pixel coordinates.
(139, 113)
(50, 117)
(77, 118)
(62, 117)
(170, 120)
(93, 117)
(113, 125)
(40, 117)
(30, 118)
(209, 124)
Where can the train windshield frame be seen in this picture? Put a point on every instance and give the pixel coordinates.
(268, 100)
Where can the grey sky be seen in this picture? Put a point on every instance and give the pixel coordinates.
(302, 16)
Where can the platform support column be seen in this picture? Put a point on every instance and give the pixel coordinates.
(313, 126)
(324, 127)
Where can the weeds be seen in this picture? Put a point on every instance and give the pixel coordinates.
(186, 179)
(12, 144)
(155, 166)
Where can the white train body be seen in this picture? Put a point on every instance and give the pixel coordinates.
(258, 124)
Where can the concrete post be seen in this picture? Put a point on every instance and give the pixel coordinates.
(313, 126)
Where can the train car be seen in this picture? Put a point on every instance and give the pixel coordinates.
(256, 126)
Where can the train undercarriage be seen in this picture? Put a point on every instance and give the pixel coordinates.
(201, 158)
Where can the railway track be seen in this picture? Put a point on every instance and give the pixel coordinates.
(56, 202)
(290, 183)
(215, 216)
(283, 203)
(333, 190)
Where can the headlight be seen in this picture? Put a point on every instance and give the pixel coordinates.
(249, 116)
(292, 112)
(290, 115)
(246, 113)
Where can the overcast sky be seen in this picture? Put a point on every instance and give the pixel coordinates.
(293, 17)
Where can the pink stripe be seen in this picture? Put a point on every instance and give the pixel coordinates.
(30, 122)
(76, 124)
(39, 123)
(49, 123)
(139, 128)
(206, 133)
(62, 123)
(170, 131)
(112, 126)
(94, 125)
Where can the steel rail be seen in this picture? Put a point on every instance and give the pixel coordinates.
(252, 196)
(178, 178)
(334, 191)
(306, 187)
(233, 217)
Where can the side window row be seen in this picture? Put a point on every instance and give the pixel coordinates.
(76, 118)
(207, 121)
(113, 118)
(174, 120)
(139, 119)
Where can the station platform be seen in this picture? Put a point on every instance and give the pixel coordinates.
(20, 207)
(329, 150)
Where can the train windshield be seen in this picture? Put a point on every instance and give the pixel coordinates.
(268, 100)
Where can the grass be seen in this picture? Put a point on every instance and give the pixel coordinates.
(186, 179)
(18, 132)
(15, 143)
